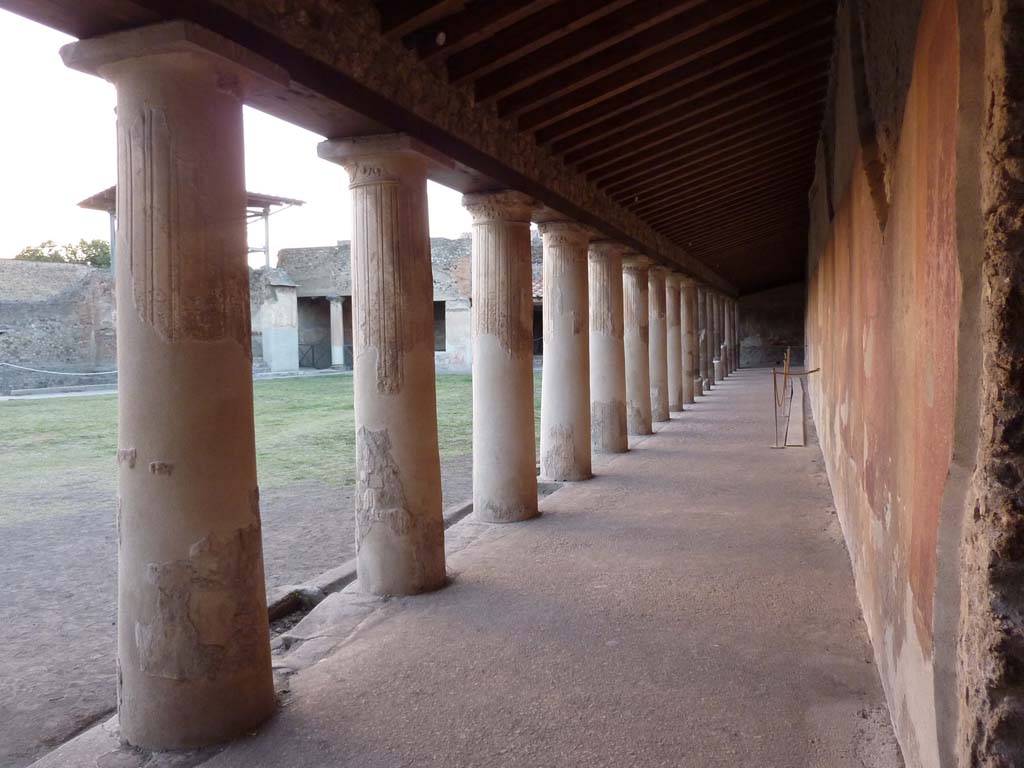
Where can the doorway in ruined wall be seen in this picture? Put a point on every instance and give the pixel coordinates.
(538, 330)
(314, 313)
(440, 339)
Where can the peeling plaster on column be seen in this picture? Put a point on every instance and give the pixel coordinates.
(565, 395)
(504, 448)
(198, 628)
(657, 348)
(608, 428)
(193, 637)
(399, 528)
(636, 337)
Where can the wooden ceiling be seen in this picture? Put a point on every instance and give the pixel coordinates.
(702, 116)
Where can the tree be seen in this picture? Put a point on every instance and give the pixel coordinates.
(95, 253)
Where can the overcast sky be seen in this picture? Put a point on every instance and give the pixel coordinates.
(57, 147)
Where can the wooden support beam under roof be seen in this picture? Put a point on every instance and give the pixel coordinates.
(474, 24)
(705, 93)
(688, 116)
(664, 89)
(534, 37)
(611, 167)
(400, 17)
(593, 81)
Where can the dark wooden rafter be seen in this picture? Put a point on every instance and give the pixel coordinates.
(592, 39)
(677, 149)
(787, 160)
(535, 37)
(476, 23)
(594, 81)
(711, 109)
(716, 163)
(400, 17)
(705, 92)
(749, 53)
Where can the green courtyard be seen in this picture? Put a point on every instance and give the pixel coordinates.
(56, 451)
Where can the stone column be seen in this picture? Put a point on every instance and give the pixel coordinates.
(565, 386)
(193, 662)
(337, 333)
(399, 527)
(703, 307)
(715, 351)
(504, 452)
(636, 336)
(727, 346)
(657, 348)
(675, 343)
(691, 373)
(736, 333)
(722, 343)
(607, 355)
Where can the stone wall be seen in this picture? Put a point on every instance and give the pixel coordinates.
(918, 362)
(770, 322)
(56, 317)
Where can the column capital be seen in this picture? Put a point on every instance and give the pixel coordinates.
(564, 232)
(606, 248)
(381, 158)
(659, 270)
(237, 67)
(687, 282)
(633, 260)
(504, 205)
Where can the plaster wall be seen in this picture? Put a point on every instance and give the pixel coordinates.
(884, 297)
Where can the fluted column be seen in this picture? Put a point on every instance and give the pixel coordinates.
(504, 452)
(193, 656)
(399, 527)
(714, 322)
(688, 313)
(704, 342)
(727, 335)
(657, 348)
(736, 331)
(607, 355)
(674, 336)
(565, 386)
(636, 337)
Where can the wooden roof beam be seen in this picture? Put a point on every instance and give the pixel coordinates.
(603, 34)
(766, 43)
(475, 24)
(400, 17)
(594, 80)
(534, 35)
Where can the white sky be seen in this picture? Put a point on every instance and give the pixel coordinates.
(57, 147)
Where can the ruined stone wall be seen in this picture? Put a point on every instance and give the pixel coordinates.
(57, 317)
(771, 321)
(884, 299)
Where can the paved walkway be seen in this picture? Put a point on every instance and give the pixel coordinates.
(692, 605)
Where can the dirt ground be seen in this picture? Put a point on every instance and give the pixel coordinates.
(59, 575)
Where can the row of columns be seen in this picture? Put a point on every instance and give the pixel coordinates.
(626, 342)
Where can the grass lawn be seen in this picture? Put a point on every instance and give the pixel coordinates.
(58, 453)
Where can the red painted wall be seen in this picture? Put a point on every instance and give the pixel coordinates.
(882, 323)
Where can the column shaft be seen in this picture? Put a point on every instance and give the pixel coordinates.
(193, 639)
(607, 355)
(635, 341)
(657, 349)
(736, 333)
(727, 322)
(565, 385)
(704, 309)
(691, 374)
(399, 526)
(504, 451)
(675, 344)
(337, 333)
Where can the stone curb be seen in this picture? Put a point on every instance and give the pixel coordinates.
(289, 598)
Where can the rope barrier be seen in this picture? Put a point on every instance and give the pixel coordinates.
(56, 373)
